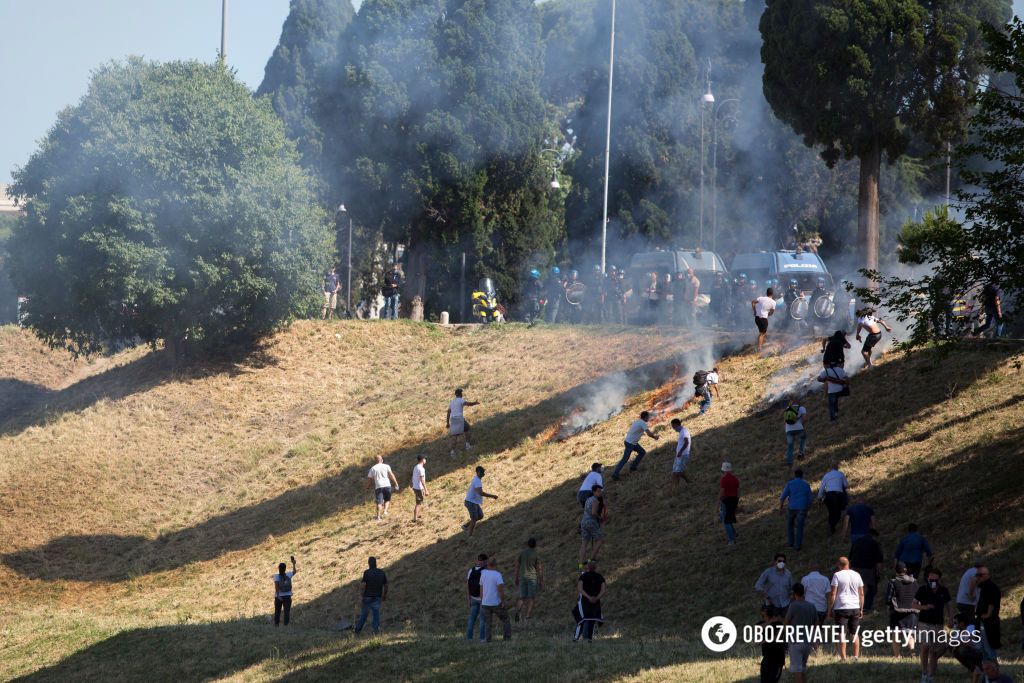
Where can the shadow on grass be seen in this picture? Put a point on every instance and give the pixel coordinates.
(105, 557)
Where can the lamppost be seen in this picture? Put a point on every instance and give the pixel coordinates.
(706, 100)
(562, 153)
(714, 166)
(608, 146)
(348, 287)
(224, 31)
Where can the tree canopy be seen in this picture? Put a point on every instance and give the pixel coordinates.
(167, 204)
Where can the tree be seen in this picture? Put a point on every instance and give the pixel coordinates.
(167, 204)
(436, 126)
(860, 79)
(8, 294)
(304, 57)
(987, 246)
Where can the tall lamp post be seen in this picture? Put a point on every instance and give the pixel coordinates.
(608, 146)
(716, 114)
(224, 31)
(706, 100)
(348, 287)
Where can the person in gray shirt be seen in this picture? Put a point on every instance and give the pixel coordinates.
(775, 584)
(800, 613)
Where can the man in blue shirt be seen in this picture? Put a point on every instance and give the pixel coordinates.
(798, 493)
(859, 519)
(912, 550)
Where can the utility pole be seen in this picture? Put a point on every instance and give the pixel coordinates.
(224, 31)
(608, 148)
(949, 155)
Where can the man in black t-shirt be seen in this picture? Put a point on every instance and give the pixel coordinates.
(987, 613)
(932, 600)
(374, 590)
(866, 558)
(590, 589)
(392, 281)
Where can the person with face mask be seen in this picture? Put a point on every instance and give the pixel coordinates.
(775, 585)
(932, 600)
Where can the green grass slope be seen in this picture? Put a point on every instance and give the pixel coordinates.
(142, 511)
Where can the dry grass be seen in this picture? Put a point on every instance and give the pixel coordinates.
(142, 512)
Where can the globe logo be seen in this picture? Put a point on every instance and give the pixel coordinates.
(718, 634)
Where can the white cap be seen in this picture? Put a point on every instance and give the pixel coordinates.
(727, 467)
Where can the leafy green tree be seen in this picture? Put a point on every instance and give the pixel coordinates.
(987, 245)
(859, 79)
(304, 57)
(8, 294)
(167, 204)
(438, 122)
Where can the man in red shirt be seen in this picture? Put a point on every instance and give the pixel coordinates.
(728, 500)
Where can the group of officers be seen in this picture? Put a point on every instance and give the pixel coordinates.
(610, 298)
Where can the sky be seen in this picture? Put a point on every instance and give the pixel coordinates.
(49, 47)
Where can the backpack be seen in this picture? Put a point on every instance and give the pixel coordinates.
(700, 378)
(791, 414)
(284, 583)
(474, 581)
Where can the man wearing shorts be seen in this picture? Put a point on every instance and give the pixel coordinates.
(595, 512)
(475, 499)
(803, 615)
(456, 421)
(332, 285)
(419, 485)
(682, 458)
(846, 604)
(870, 323)
(381, 478)
(763, 308)
(529, 579)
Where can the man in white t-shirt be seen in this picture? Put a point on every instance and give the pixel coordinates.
(381, 479)
(795, 416)
(763, 308)
(419, 484)
(632, 443)
(682, 458)
(475, 500)
(456, 423)
(872, 324)
(835, 380)
(816, 589)
(846, 604)
(492, 600)
(593, 477)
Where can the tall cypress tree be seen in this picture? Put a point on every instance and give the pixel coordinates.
(305, 55)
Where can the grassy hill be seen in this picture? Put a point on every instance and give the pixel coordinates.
(143, 510)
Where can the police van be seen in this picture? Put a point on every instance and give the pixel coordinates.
(669, 262)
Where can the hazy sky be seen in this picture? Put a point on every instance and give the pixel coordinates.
(48, 48)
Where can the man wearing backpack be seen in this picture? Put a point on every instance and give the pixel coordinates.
(473, 593)
(795, 416)
(703, 383)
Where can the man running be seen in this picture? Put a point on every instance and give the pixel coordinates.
(381, 478)
(763, 308)
(456, 423)
(632, 444)
(419, 485)
(682, 458)
(870, 323)
(529, 579)
(475, 500)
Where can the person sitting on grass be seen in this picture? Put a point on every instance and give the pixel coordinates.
(283, 592)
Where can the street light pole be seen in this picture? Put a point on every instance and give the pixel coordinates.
(224, 31)
(608, 147)
(348, 288)
(707, 98)
(714, 169)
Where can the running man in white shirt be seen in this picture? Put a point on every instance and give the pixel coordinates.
(869, 322)
(381, 478)
(763, 308)
(456, 423)
(419, 485)
(682, 458)
(632, 443)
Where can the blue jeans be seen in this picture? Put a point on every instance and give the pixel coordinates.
(730, 530)
(474, 616)
(795, 528)
(790, 439)
(369, 605)
(705, 404)
(391, 307)
(833, 406)
(630, 448)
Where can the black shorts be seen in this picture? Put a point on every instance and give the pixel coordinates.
(419, 495)
(762, 324)
(848, 619)
(907, 622)
(871, 340)
(383, 495)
